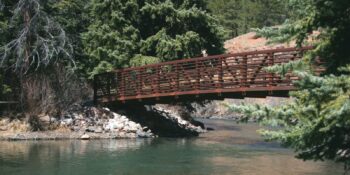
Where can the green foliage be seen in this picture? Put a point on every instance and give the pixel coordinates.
(5, 32)
(140, 60)
(329, 18)
(102, 67)
(317, 123)
(73, 18)
(240, 16)
(121, 31)
(4, 88)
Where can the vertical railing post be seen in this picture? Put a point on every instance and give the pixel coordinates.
(158, 80)
(244, 70)
(198, 77)
(115, 83)
(139, 88)
(177, 71)
(288, 75)
(261, 70)
(122, 87)
(109, 83)
(221, 73)
(270, 63)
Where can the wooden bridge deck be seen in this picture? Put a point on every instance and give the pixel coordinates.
(213, 77)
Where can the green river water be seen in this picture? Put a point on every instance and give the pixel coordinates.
(230, 149)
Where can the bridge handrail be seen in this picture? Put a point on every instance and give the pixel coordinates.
(231, 72)
(216, 56)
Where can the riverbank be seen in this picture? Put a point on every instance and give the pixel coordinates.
(57, 135)
(100, 123)
(218, 109)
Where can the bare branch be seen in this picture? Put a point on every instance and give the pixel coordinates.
(40, 41)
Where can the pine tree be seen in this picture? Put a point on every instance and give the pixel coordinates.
(73, 17)
(317, 123)
(125, 33)
(37, 40)
(240, 16)
(4, 36)
(32, 45)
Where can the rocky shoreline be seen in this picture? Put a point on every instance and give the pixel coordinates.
(56, 135)
(99, 123)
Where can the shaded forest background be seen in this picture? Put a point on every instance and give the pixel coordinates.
(241, 16)
(52, 49)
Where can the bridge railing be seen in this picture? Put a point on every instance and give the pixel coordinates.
(213, 74)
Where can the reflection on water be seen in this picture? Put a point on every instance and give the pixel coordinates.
(231, 149)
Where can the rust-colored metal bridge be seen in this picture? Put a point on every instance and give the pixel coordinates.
(236, 75)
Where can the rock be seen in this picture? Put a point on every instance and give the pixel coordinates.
(126, 128)
(67, 121)
(115, 115)
(118, 125)
(17, 137)
(141, 134)
(3, 128)
(183, 122)
(78, 116)
(197, 123)
(123, 118)
(144, 134)
(85, 137)
(98, 130)
(106, 127)
(90, 129)
(131, 135)
(113, 124)
(210, 129)
(133, 127)
(122, 134)
(95, 122)
(45, 119)
(113, 136)
(130, 129)
(75, 128)
(83, 128)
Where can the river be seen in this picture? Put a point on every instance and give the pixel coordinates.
(230, 149)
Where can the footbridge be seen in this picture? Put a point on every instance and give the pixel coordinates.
(235, 75)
